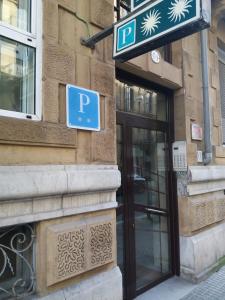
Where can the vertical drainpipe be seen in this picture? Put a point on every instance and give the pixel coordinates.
(206, 107)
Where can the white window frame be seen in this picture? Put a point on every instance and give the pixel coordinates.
(34, 40)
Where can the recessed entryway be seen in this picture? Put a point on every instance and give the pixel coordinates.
(145, 215)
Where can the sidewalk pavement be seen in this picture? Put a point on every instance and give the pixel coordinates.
(177, 288)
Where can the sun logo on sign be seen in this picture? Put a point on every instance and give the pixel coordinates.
(179, 9)
(150, 22)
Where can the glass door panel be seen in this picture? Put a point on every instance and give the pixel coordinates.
(150, 205)
(151, 248)
(144, 221)
(149, 167)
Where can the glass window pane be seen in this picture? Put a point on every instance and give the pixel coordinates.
(17, 77)
(16, 13)
(162, 108)
(137, 100)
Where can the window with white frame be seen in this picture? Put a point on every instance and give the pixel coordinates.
(20, 59)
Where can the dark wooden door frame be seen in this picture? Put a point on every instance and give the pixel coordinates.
(128, 120)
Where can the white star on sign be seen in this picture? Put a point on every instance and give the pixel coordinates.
(150, 22)
(179, 9)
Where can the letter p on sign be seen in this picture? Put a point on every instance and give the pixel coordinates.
(126, 35)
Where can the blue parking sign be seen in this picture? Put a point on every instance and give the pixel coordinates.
(126, 35)
(83, 108)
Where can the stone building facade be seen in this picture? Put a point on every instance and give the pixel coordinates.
(58, 207)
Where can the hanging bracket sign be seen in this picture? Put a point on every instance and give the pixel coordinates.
(157, 24)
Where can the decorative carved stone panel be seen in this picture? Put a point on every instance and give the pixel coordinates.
(77, 247)
(220, 210)
(71, 253)
(101, 244)
(206, 212)
(66, 251)
(199, 215)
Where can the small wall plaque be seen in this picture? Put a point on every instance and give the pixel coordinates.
(156, 57)
(196, 132)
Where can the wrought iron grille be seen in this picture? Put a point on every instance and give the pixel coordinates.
(17, 274)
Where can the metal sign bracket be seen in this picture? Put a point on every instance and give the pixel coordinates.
(91, 41)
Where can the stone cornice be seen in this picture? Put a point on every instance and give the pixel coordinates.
(19, 182)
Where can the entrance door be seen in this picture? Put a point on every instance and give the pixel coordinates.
(144, 227)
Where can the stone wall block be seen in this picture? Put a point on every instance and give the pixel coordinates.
(184, 216)
(76, 201)
(212, 41)
(205, 212)
(82, 32)
(192, 153)
(177, 59)
(104, 143)
(66, 28)
(216, 136)
(83, 77)
(47, 204)
(102, 112)
(193, 87)
(102, 77)
(50, 29)
(82, 10)
(179, 113)
(191, 109)
(200, 253)
(101, 13)
(51, 105)
(68, 4)
(98, 51)
(84, 147)
(30, 155)
(110, 112)
(216, 117)
(219, 151)
(191, 65)
(191, 45)
(108, 48)
(104, 147)
(214, 76)
(60, 64)
(194, 110)
(62, 103)
(213, 97)
(36, 133)
(12, 208)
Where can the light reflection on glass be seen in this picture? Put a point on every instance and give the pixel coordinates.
(16, 13)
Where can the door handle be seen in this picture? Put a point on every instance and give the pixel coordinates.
(156, 211)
